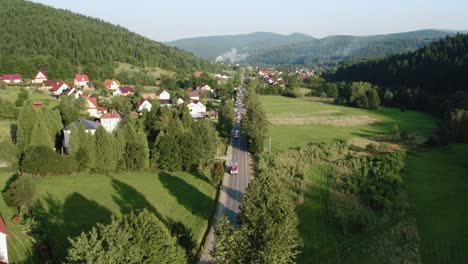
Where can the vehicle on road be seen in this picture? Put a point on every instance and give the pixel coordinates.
(236, 133)
(234, 168)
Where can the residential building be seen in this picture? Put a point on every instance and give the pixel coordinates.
(47, 85)
(40, 77)
(124, 90)
(143, 105)
(58, 88)
(194, 95)
(89, 126)
(111, 121)
(197, 109)
(93, 109)
(81, 80)
(11, 78)
(111, 84)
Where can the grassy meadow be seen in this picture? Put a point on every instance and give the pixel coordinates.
(11, 93)
(438, 190)
(297, 121)
(67, 205)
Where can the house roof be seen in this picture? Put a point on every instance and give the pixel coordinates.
(88, 124)
(165, 101)
(43, 73)
(11, 77)
(197, 74)
(82, 78)
(202, 85)
(193, 93)
(57, 86)
(111, 115)
(140, 102)
(126, 89)
(93, 101)
(49, 82)
(3, 228)
(160, 91)
(108, 83)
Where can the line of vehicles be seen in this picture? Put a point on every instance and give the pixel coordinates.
(234, 167)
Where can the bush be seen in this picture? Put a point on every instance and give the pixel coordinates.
(217, 172)
(42, 161)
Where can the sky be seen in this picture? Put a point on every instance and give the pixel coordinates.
(174, 19)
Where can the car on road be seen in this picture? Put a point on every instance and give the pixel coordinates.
(236, 133)
(234, 168)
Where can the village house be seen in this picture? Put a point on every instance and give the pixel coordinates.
(93, 109)
(124, 90)
(3, 242)
(142, 105)
(194, 95)
(81, 80)
(39, 78)
(47, 85)
(197, 109)
(58, 88)
(163, 97)
(110, 121)
(179, 101)
(111, 84)
(89, 126)
(221, 77)
(203, 87)
(11, 78)
(197, 74)
(266, 72)
(270, 80)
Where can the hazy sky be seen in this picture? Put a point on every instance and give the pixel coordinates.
(173, 19)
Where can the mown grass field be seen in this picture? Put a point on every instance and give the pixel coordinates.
(438, 189)
(288, 131)
(68, 205)
(11, 93)
(5, 127)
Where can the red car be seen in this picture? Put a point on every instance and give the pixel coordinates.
(233, 169)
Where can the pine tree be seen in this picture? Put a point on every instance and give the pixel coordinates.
(40, 136)
(26, 120)
(226, 117)
(143, 151)
(105, 156)
(74, 143)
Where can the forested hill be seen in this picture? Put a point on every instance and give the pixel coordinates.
(334, 49)
(440, 68)
(35, 36)
(214, 46)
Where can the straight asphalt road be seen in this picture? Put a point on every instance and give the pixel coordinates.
(233, 186)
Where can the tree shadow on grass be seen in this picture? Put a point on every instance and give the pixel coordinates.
(58, 220)
(188, 196)
(130, 199)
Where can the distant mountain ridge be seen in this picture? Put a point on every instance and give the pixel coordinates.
(297, 48)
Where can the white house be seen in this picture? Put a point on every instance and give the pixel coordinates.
(81, 80)
(197, 109)
(11, 78)
(125, 91)
(162, 95)
(179, 101)
(143, 104)
(40, 77)
(111, 121)
(203, 87)
(94, 110)
(89, 126)
(111, 84)
(3, 242)
(58, 88)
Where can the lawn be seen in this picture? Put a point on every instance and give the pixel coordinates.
(5, 126)
(69, 205)
(292, 127)
(438, 188)
(11, 93)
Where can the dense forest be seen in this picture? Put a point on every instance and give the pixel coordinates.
(35, 36)
(433, 78)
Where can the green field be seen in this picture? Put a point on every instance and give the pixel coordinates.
(11, 93)
(68, 205)
(438, 188)
(288, 131)
(5, 126)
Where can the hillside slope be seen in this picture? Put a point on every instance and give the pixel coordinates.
(334, 49)
(59, 40)
(214, 46)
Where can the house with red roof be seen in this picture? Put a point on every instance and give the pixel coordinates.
(143, 105)
(93, 109)
(203, 87)
(123, 90)
(40, 77)
(81, 80)
(3, 242)
(11, 78)
(111, 84)
(194, 95)
(58, 88)
(110, 121)
(266, 72)
(47, 85)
